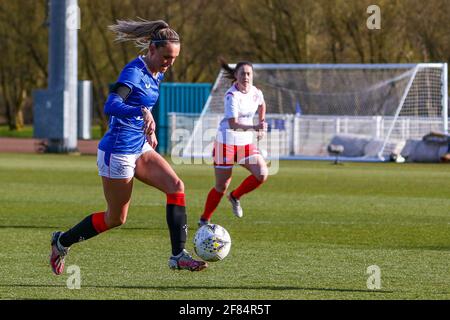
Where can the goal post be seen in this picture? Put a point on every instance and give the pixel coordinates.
(445, 96)
(372, 109)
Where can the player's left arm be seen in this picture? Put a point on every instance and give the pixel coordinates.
(262, 112)
(262, 120)
(261, 108)
(149, 121)
(262, 115)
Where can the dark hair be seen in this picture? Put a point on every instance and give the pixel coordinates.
(145, 32)
(230, 73)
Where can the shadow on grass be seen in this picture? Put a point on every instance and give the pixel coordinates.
(27, 227)
(130, 229)
(59, 227)
(127, 229)
(177, 288)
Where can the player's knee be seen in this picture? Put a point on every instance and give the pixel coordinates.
(177, 186)
(262, 177)
(221, 188)
(263, 174)
(114, 222)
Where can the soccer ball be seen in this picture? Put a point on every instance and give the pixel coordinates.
(212, 242)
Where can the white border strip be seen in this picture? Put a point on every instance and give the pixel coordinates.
(445, 96)
(263, 66)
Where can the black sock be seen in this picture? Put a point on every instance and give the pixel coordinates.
(177, 222)
(89, 227)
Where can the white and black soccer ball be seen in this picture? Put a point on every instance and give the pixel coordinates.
(212, 242)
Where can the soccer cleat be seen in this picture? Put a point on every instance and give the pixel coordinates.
(184, 261)
(236, 205)
(58, 254)
(202, 222)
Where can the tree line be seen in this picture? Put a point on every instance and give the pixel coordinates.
(261, 31)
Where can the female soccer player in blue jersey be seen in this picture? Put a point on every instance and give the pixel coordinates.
(127, 149)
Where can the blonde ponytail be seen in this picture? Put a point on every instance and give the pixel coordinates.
(144, 32)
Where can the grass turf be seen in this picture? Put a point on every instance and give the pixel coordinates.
(310, 232)
(27, 132)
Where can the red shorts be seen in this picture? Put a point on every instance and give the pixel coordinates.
(226, 155)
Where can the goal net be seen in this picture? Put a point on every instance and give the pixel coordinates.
(369, 109)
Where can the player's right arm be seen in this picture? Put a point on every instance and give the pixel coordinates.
(232, 114)
(232, 122)
(115, 104)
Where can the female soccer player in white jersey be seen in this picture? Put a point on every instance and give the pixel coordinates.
(235, 141)
(127, 149)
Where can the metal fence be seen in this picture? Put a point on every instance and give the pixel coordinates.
(178, 97)
(309, 136)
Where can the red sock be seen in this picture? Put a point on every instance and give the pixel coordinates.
(87, 228)
(98, 222)
(248, 185)
(211, 204)
(177, 198)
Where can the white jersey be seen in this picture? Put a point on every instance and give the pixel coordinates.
(242, 107)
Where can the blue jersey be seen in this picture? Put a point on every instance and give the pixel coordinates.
(126, 134)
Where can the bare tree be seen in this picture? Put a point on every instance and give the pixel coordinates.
(23, 61)
(275, 31)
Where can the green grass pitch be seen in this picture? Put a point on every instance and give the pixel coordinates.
(310, 232)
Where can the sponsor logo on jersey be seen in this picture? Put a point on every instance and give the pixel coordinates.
(246, 115)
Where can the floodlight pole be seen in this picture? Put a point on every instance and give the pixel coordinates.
(55, 116)
(63, 67)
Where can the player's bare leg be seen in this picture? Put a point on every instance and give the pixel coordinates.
(258, 169)
(153, 169)
(117, 194)
(223, 180)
